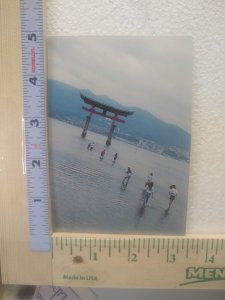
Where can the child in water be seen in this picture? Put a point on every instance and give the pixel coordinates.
(115, 158)
(172, 195)
(102, 154)
(149, 178)
(148, 193)
(127, 176)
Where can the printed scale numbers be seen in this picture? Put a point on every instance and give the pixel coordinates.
(36, 165)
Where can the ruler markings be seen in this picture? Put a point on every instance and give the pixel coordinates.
(110, 247)
(178, 242)
(187, 248)
(81, 246)
(148, 247)
(61, 243)
(32, 43)
(158, 245)
(40, 76)
(100, 245)
(217, 245)
(139, 245)
(71, 246)
(129, 250)
(90, 245)
(207, 248)
(168, 251)
(169, 257)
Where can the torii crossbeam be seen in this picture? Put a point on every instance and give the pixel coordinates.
(106, 111)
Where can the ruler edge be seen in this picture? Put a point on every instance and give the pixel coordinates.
(18, 262)
(63, 248)
(42, 4)
(135, 236)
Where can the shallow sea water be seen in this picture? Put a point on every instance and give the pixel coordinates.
(86, 192)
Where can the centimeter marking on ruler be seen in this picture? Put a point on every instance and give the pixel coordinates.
(32, 39)
(132, 247)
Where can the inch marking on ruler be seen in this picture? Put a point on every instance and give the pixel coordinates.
(138, 262)
(32, 37)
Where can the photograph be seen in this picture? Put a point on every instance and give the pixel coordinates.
(119, 133)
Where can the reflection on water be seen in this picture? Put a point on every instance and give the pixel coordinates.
(87, 193)
(141, 211)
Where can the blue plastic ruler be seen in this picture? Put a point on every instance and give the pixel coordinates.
(34, 91)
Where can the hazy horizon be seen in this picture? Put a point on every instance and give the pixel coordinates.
(133, 108)
(151, 73)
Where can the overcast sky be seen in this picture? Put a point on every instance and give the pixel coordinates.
(153, 73)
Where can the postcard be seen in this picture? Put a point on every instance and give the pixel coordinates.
(119, 118)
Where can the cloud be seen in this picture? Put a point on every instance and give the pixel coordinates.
(153, 73)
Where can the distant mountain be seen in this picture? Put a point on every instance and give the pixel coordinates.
(64, 103)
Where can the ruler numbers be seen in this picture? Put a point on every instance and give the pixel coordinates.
(133, 261)
(172, 250)
(35, 122)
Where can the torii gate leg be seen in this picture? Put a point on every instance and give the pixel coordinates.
(112, 128)
(84, 132)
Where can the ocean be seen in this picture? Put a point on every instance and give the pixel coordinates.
(86, 193)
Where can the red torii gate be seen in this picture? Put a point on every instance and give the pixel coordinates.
(104, 111)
